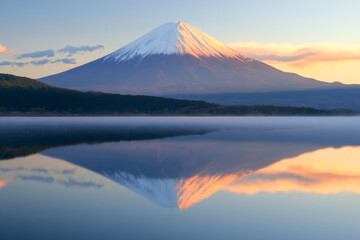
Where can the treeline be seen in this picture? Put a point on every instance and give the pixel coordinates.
(20, 95)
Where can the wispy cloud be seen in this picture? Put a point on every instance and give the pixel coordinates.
(39, 62)
(5, 50)
(37, 54)
(66, 60)
(299, 55)
(71, 50)
(71, 182)
(46, 61)
(37, 178)
(48, 56)
(7, 63)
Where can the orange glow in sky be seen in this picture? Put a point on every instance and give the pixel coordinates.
(327, 62)
(210, 47)
(5, 50)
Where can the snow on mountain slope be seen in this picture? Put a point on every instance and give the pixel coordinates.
(175, 38)
(175, 192)
(177, 58)
(160, 191)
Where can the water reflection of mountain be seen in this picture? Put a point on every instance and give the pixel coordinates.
(183, 170)
(21, 137)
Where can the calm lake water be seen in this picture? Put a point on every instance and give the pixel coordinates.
(180, 178)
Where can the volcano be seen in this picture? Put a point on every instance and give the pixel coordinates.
(176, 58)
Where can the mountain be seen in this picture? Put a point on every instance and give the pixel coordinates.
(8, 81)
(177, 58)
(21, 95)
(334, 98)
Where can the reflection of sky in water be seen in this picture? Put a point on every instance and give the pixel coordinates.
(42, 169)
(325, 171)
(256, 184)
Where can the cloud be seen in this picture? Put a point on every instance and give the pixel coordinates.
(47, 55)
(290, 58)
(74, 183)
(39, 62)
(66, 60)
(68, 171)
(36, 178)
(299, 55)
(7, 63)
(37, 54)
(71, 50)
(5, 50)
(12, 169)
(39, 170)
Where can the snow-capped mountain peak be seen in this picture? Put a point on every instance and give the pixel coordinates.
(176, 59)
(174, 38)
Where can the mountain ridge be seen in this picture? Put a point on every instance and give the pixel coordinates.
(176, 58)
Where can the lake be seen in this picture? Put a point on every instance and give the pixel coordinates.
(180, 178)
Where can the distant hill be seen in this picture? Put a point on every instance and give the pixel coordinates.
(20, 95)
(8, 81)
(316, 98)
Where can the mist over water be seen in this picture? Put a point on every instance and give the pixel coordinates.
(110, 178)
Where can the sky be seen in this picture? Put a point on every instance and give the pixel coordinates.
(314, 38)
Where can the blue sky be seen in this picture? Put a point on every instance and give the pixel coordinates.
(41, 25)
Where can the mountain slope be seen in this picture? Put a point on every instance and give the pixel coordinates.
(175, 38)
(177, 58)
